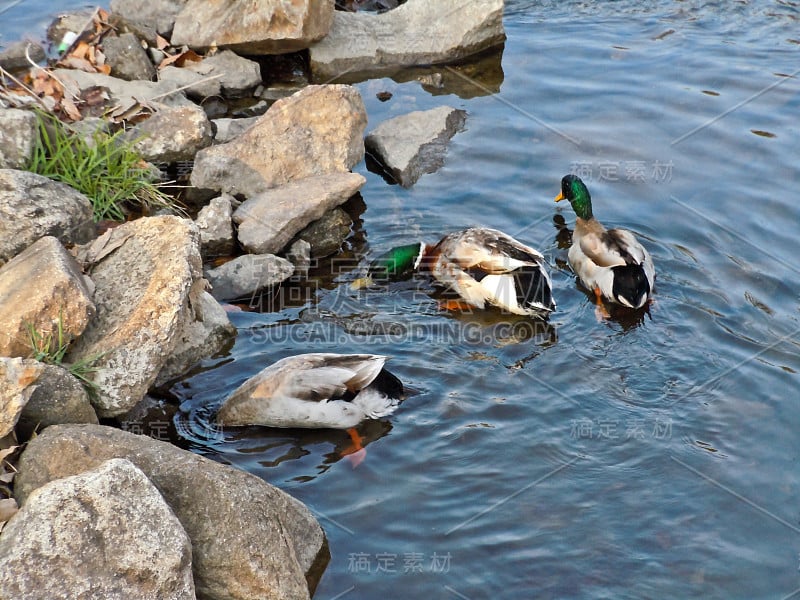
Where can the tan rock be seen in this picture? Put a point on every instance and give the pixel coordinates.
(143, 272)
(258, 27)
(250, 540)
(39, 287)
(269, 221)
(105, 533)
(316, 131)
(17, 383)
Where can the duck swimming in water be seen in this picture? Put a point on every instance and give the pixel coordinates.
(610, 262)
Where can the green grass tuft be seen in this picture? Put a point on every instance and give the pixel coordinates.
(107, 170)
(51, 347)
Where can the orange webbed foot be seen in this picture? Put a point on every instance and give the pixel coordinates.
(355, 452)
(454, 305)
(600, 311)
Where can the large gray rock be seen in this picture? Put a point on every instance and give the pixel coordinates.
(260, 27)
(419, 32)
(248, 274)
(143, 271)
(172, 134)
(17, 383)
(32, 206)
(236, 75)
(269, 221)
(18, 132)
(316, 131)
(413, 144)
(249, 539)
(40, 288)
(58, 397)
(127, 59)
(158, 14)
(204, 335)
(195, 86)
(216, 229)
(105, 533)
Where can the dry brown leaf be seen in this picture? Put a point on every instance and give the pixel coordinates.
(161, 43)
(72, 62)
(180, 59)
(104, 69)
(81, 51)
(71, 110)
(95, 95)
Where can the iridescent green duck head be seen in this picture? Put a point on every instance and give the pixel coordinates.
(393, 265)
(574, 190)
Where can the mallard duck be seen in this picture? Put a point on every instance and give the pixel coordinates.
(483, 266)
(319, 390)
(610, 262)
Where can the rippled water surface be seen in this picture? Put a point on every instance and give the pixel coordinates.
(652, 458)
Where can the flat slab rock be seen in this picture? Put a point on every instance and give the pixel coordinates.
(105, 533)
(250, 540)
(419, 32)
(269, 221)
(143, 271)
(32, 206)
(316, 131)
(411, 145)
(259, 27)
(39, 287)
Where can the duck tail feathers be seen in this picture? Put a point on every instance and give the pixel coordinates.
(631, 287)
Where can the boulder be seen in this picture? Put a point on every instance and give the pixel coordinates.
(15, 56)
(269, 221)
(32, 206)
(158, 14)
(58, 397)
(249, 539)
(18, 132)
(418, 32)
(42, 288)
(105, 533)
(236, 75)
(196, 86)
(326, 235)
(248, 274)
(143, 272)
(216, 229)
(172, 134)
(17, 383)
(227, 129)
(207, 334)
(260, 27)
(316, 131)
(415, 143)
(127, 59)
(66, 21)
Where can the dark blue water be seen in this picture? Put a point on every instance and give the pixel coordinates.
(582, 459)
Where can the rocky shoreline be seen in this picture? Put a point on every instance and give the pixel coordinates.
(100, 512)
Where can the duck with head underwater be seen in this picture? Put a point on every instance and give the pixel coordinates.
(318, 391)
(482, 266)
(610, 262)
